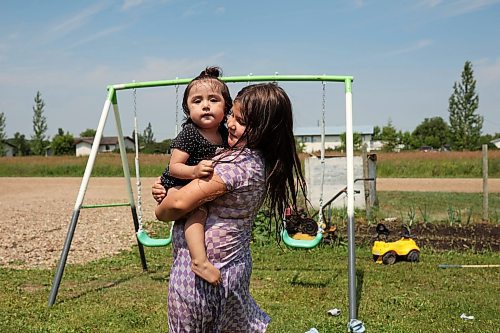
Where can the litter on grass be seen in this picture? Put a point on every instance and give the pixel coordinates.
(466, 317)
(334, 312)
(313, 330)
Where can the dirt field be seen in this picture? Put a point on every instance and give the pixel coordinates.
(36, 212)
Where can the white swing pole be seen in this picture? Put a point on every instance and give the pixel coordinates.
(79, 200)
(354, 324)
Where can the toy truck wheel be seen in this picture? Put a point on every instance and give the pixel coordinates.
(389, 258)
(413, 256)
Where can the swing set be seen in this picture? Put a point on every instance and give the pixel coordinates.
(143, 238)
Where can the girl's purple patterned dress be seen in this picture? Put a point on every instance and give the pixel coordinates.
(193, 304)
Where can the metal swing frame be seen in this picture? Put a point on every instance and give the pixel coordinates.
(112, 101)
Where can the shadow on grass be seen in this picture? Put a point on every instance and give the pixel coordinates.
(360, 274)
(295, 281)
(90, 290)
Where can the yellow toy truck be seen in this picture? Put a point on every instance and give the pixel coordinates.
(404, 249)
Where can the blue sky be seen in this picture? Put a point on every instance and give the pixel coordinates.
(405, 57)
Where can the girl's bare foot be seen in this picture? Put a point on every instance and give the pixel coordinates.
(206, 271)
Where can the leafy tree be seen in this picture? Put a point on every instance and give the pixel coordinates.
(356, 140)
(39, 126)
(63, 143)
(3, 136)
(376, 133)
(158, 147)
(88, 133)
(431, 132)
(22, 145)
(148, 135)
(465, 124)
(140, 139)
(487, 138)
(389, 136)
(405, 139)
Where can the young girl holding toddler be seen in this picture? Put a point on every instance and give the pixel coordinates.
(206, 104)
(262, 167)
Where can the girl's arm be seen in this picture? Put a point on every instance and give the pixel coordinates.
(179, 169)
(181, 201)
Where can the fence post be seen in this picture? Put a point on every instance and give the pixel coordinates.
(368, 204)
(372, 173)
(485, 183)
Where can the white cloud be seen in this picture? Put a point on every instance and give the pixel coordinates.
(127, 4)
(430, 3)
(97, 36)
(412, 48)
(77, 21)
(458, 7)
(359, 3)
(220, 10)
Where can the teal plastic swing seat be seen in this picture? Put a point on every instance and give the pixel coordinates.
(301, 243)
(144, 239)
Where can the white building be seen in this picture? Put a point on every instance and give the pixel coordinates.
(310, 137)
(108, 144)
(496, 142)
(10, 149)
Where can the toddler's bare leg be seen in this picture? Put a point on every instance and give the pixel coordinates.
(194, 230)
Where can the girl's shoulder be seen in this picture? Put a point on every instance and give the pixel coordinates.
(240, 155)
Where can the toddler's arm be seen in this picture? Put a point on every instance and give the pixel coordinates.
(179, 169)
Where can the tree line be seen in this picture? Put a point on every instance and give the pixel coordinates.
(64, 143)
(463, 132)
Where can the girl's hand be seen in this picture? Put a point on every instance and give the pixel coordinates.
(158, 191)
(204, 169)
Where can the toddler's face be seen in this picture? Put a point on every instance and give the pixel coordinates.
(206, 105)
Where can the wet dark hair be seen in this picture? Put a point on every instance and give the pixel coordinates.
(267, 112)
(211, 75)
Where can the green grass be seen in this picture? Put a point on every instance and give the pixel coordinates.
(399, 165)
(437, 164)
(296, 288)
(437, 205)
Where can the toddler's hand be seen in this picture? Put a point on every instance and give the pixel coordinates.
(158, 191)
(204, 169)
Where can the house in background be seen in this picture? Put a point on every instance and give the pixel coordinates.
(496, 142)
(10, 149)
(310, 137)
(108, 144)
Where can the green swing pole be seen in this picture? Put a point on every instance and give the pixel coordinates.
(234, 79)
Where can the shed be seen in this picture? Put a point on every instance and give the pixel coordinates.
(108, 144)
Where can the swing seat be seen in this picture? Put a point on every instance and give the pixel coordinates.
(144, 239)
(301, 243)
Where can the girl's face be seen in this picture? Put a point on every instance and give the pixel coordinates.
(236, 127)
(206, 105)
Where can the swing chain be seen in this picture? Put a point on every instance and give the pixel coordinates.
(176, 109)
(137, 173)
(323, 111)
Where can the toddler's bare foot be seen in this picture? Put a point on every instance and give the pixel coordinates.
(206, 271)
